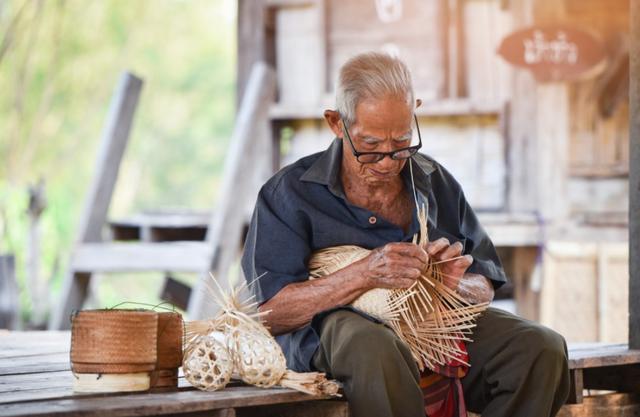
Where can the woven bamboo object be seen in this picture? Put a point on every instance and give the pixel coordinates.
(169, 350)
(125, 350)
(113, 341)
(207, 362)
(252, 354)
(429, 317)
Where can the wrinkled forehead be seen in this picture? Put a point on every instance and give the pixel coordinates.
(389, 114)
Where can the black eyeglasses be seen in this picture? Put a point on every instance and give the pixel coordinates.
(372, 157)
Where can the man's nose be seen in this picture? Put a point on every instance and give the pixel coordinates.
(387, 163)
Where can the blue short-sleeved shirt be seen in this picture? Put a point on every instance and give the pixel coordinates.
(303, 208)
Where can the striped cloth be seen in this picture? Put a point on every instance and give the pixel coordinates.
(442, 389)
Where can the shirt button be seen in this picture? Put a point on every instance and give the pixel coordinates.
(373, 220)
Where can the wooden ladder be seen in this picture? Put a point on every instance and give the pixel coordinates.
(247, 164)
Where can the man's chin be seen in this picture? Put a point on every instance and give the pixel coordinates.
(380, 180)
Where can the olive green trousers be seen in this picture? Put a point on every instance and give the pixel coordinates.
(518, 368)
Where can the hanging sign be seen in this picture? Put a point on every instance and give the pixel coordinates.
(554, 53)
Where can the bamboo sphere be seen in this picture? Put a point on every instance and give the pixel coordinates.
(258, 357)
(207, 364)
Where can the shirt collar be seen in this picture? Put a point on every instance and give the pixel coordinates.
(326, 170)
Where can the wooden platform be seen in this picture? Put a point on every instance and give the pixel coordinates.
(603, 367)
(35, 380)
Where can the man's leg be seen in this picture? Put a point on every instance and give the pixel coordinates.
(518, 368)
(379, 374)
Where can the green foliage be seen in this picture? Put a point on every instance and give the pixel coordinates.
(59, 63)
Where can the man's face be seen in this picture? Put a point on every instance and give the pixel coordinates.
(382, 125)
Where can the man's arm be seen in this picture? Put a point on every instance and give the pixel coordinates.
(475, 288)
(296, 304)
(395, 265)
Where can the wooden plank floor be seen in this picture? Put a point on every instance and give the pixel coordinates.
(35, 380)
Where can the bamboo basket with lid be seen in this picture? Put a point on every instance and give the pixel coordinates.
(169, 350)
(120, 343)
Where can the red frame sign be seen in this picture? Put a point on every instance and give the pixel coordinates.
(554, 53)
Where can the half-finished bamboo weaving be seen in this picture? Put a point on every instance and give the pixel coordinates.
(236, 344)
(429, 317)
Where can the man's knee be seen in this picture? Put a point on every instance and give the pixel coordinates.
(545, 344)
(361, 343)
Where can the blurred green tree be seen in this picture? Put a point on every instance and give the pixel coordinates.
(59, 62)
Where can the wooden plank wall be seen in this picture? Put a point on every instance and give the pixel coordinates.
(634, 180)
(598, 143)
(412, 30)
(481, 169)
(486, 78)
(301, 76)
(585, 291)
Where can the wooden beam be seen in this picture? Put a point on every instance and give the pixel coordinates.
(577, 386)
(251, 41)
(620, 378)
(634, 179)
(248, 141)
(138, 257)
(597, 355)
(603, 405)
(112, 146)
(9, 300)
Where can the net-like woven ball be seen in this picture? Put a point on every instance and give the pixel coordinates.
(207, 364)
(259, 358)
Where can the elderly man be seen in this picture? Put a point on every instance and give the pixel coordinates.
(363, 190)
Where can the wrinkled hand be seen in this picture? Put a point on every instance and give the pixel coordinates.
(394, 265)
(441, 250)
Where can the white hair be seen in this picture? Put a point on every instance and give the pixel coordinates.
(371, 75)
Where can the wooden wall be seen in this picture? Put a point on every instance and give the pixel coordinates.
(413, 30)
(586, 290)
(599, 118)
(451, 53)
(543, 162)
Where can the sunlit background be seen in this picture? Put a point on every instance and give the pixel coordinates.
(59, 64)
(539, 146)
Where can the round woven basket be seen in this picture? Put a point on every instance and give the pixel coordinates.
(170, 327)
(164, 378)
(169, 348)
(114, 341)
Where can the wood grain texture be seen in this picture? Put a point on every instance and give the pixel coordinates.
(634, 180)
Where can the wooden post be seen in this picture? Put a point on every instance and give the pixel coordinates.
(551, 147)
(37, 287)
(251, 133)
(521, 132)
(9, 305)
(634, 179)
(112, 146)
(251, 41)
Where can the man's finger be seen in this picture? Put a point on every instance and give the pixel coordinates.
(408, 249)
(463, 262)
(398, 261)
(437, 245)
(451, 252)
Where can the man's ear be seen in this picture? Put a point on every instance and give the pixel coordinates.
(335, 122)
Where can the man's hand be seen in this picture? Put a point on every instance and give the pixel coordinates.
(441, 251)
(394, 265)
